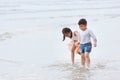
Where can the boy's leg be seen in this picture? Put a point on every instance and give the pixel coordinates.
(87, 59)
(83, 59)
(82, 51)
(88, 49)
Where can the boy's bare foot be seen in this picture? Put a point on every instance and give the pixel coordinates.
(82, 66)
(88, 68)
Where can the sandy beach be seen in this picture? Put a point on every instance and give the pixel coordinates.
(31, 46)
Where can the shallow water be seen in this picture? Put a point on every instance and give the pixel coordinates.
(31, 46)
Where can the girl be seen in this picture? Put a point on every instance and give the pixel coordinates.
(74, 44)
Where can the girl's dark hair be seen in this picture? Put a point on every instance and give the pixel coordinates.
(66, 30)
(82, 21)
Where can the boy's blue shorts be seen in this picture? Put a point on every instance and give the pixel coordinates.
(85, 47)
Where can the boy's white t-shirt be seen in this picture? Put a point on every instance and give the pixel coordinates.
(85, 36)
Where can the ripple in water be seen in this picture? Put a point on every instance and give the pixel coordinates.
(67, 71)
(5, 36)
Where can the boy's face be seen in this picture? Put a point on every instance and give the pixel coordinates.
(83, 27)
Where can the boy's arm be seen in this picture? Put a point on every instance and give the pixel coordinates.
(93, 37)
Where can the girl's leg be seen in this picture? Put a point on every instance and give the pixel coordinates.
(87, 59)
(72, 57)
(83, 59)
(77, 50)
(72, 49)
(70, 45)
(73, 54)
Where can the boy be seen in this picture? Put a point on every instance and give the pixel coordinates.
(85, 42)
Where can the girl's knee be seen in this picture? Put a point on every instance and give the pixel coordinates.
(73, 51)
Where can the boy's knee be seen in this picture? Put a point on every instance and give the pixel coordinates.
(82, 56)
(87, 56)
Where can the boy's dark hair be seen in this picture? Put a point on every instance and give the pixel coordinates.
(82, 21)
(66, 30)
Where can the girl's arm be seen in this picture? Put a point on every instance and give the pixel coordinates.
(78, 36)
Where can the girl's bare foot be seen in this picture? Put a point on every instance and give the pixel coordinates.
(79, 53)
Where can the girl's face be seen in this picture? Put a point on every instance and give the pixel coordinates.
(68, 34)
